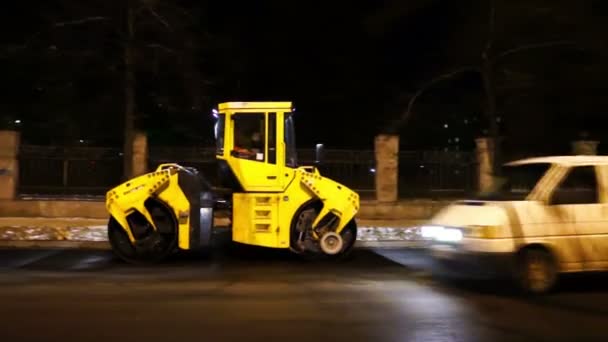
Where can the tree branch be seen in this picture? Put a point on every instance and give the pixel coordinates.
(533, 46)
(14, 49)
(161, 47)
(491, 30)
(159, 17)
(406, 115)
(79, 21)
(31, 38)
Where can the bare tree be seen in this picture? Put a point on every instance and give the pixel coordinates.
(162, 25)
(486, 71)
(130, 100)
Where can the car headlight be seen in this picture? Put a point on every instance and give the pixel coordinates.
(440, 233)
(430, 232)
(449, 235)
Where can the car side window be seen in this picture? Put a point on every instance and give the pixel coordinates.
(579, 187)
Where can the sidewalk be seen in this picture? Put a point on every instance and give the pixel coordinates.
(91, 233)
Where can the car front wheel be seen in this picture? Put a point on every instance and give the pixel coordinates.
(537, 271)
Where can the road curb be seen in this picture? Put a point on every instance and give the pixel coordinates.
(54, 244)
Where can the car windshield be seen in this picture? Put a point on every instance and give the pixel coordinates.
(516, 182)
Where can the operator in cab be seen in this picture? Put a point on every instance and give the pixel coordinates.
(249, 147)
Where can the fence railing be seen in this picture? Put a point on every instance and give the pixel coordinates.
(68, 171)
(92, 171)
(437, 174)
(353, 168)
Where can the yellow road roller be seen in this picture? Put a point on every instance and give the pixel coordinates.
(271, 200)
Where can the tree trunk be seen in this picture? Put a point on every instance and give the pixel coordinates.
(487, 78)
(490, 112)
(129, 124)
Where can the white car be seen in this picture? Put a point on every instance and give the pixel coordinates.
(547, 215)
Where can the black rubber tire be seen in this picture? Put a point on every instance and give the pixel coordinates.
(124, 249)
(349, 235)
(350, 241)
(536, 271)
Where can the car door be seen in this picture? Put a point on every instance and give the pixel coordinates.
(579, 197)
(593, 224)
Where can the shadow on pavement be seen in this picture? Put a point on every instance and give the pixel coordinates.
(232, 257)
(567, 284)
(583, 293)
(583, 283)
(238, 255)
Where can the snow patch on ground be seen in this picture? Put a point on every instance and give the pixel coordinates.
(99, 233)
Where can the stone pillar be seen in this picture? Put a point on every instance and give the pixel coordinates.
(584, 147)
(139, 159)
(485, 161)
(387, 168)
(9, 164)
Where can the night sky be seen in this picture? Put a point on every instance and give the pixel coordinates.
(349, 67)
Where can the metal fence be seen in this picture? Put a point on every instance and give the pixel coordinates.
(202, 158)
(437, 174)
(353, 168)
(61, 171)
(68, 171)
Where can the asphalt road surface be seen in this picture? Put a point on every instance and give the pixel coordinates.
(259, 295)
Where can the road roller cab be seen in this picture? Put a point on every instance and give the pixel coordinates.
(273, 201)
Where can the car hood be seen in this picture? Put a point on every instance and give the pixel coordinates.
(472, 213)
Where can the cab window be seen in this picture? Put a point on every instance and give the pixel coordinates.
(219, 134)
(291, 158)
(272, 140)
(249, 135)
